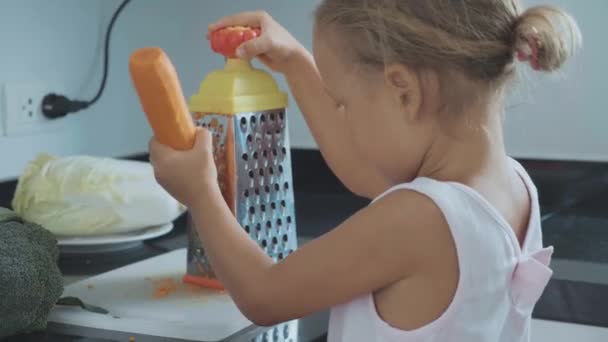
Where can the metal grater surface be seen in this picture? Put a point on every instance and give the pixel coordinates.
(198, 264)
(286, 332)
(264, 192)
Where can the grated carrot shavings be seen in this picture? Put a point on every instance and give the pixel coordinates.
(165, 287)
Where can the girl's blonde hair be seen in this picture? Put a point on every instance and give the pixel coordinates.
(477, 39)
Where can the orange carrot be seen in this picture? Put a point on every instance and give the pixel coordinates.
(161, 97)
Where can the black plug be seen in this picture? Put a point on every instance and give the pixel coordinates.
(57, 106)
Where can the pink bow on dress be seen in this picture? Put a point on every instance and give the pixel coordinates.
(530, 277)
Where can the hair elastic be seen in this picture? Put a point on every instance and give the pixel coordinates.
(529, 52)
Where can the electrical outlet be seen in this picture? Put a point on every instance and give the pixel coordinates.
(23, 111)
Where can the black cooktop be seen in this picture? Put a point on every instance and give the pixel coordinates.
(580, 232)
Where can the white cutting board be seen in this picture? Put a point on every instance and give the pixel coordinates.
(188, 312)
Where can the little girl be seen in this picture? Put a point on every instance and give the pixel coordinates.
(405, 100)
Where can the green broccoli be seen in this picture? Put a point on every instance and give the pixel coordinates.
(30, 279)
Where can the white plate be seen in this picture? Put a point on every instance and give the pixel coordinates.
(111, 239)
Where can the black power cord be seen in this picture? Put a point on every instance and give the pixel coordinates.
(56, 106)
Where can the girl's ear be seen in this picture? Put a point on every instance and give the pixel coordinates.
(406, 88)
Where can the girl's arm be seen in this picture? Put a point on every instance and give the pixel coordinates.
(380, 245)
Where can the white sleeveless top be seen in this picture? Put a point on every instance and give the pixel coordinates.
(499, 282)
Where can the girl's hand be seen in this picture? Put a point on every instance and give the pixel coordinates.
(275, 47)
(186, 175)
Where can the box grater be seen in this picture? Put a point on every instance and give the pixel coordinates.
(245, 111)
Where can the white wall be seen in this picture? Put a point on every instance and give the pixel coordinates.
(58, 42)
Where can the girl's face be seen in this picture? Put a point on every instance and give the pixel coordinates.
(377, 111)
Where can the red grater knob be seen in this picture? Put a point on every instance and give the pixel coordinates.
(225, 41)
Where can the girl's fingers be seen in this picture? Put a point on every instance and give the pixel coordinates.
(254, 48)
(204, 139)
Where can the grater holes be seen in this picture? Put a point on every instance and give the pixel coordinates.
(265, 154)
(253, 120)
(263, 208)
(255, 155)
(248, 229)
(258, 227)
(267, 189)
(271, 170)
(281, 115)
(249, 138)
(252, 210)
(275, 152)
(286, 186)
(279, 222)
(281, 256)
(257, 191)
(283, 204)
(275, 241)
(264, 243)
(272, 116)
(285, 238)
(245, 157)
(277, 187)
(268, 224)
(251, 174)
(281, 169)
(246, 193)
(262, 118)
(273, 206)
(284, 151)
(286, 331)
(243, 122)
(289, 219)
(261, 171)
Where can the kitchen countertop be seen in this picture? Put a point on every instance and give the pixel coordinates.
(76, 267)
(574, 223)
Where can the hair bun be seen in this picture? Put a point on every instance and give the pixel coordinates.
(546, 36)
